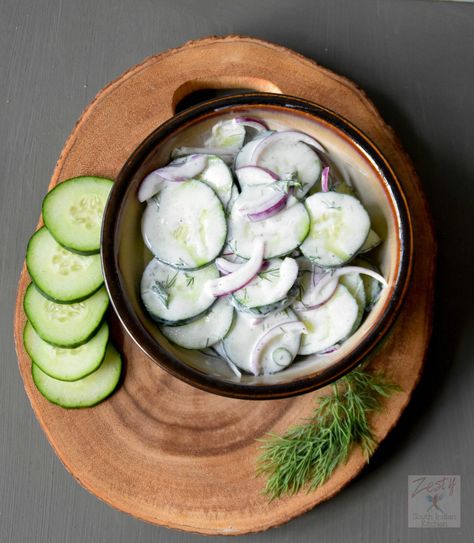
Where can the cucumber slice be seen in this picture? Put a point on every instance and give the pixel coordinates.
(227, 135)
(252, 176)
(276, 307)
(339, 227)
(329, 323)
(286, 158)
(270, 285)
(282, 233)
(355, 285)
(205, 331)
(372, 287)
(233, 197)
(218, 176)
(61, 275)
(66, 364)
(175, 297)
(85, 392)
(309, 294)
(245, 333)
(73, 211)
(184, 225)
(372, 241)
(245, 154)
(65, 325)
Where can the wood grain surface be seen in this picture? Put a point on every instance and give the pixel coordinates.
(159, 449)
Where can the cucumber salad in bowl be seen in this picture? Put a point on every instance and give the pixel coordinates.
(259, 248)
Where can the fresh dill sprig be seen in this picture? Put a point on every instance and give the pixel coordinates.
(189, 280)
(161, 288)
(170, 281)
(306, 455)
(273, 272)
(290, 181)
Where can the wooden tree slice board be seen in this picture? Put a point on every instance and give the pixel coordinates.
(159, 449)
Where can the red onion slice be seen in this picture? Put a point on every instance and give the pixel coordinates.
(295, 327)
(317, 274)
(287, 278)
(318, 295)
(330, 350)
(174, 173)
(226, 267)
(257, 320)
(239, 278)
(249, 176)
(252, 122)
(265, 207)
(359, 269)
(288, 135)
(273, 209)
(187, 169)
(325, 179)
(326, 286)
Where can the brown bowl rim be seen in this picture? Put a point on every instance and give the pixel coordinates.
(209, 383)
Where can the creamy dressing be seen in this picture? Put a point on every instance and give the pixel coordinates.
(189, 223)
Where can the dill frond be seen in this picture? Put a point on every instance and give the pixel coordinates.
(305, 456)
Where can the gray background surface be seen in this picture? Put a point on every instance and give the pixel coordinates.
(415, 59)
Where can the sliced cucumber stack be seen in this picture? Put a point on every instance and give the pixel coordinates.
(73, 362)
(85, 392)
(61, 275)
(66, 364)
(65, 325)
(73, 211)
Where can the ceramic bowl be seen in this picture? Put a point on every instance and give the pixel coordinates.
(124, 254)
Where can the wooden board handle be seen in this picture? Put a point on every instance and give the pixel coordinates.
(221, 82)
